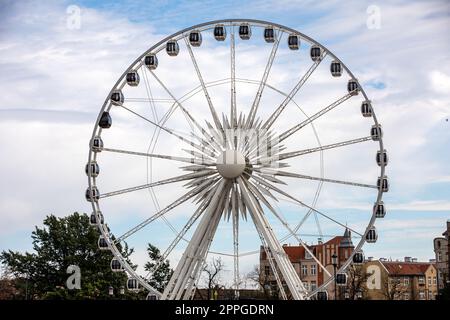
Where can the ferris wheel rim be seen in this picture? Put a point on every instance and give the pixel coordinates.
(97, 130)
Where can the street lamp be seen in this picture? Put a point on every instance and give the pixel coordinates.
(122, 290)
(111, 291)
(334, 262)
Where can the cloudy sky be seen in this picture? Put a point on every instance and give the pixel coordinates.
(59, 59)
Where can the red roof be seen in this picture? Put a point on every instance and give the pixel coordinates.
(406, 268)
(296, 253)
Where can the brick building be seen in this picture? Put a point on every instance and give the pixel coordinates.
(306, 267)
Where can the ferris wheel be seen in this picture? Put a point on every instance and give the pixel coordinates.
(214, 143)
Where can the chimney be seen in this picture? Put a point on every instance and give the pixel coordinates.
(414, 260)
(407, 259)
(383, 259)
(319, 241)
(432, 260)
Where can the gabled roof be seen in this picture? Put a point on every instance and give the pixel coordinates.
(406, 268)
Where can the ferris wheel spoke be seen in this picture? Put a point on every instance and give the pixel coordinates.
(182, 233)
(233, 111)
(184, 177)
(270, 172)
(161, 156)
(262, 84)
(290, 276)
(202, 148)
(158, 100)
(296, 236)
(317, 115)
(274, 116)
(150, 97)
(205, 90)
(235, 221)
(209, 139)
(301, 203)
(288, 155)
(162, 212)
(197, 248)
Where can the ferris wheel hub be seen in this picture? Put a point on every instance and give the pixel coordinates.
(230, 164)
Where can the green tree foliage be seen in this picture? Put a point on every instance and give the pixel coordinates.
(161, 275)
(62, 242)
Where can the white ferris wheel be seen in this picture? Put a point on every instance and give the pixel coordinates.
(202, 132)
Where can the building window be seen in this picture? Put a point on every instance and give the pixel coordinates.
(406, 281)
(406, 296)
(429, 281)
(421, 295)
(439, 256)
(313, 269)
(304, 270)
(267, 270)
(421, 280)
(307, 255)
(434, 281)
(313, 285)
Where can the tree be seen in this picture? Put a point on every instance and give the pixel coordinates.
(356, 279)
(392, 286)
(161, 275)
(62, 242)
(213, 271)
(262, 279)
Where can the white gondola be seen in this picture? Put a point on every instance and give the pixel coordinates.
(336, 68)
(96, 144)
(102, 244)
(132, 78)
(372, 235)
(382, 158)
(269, 34)
(92, 169)
(151, 61)
(293, 42)
(93, 218)
(245, 32)
(341, 279)
(383, 184)
(105, 120)
(132, 284)
(220, 33)
(379, 209)
(172, 48)
(92, 193)
(117, 98)
(315, 53)
(358, 258)
(376, 132)
(322, 295)
(353, 87)
(195, 38)
(366, 108)
(151, 296)
(116, 266)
